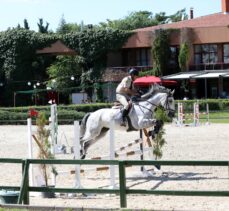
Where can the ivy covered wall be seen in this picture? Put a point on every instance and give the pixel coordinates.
(19, 62)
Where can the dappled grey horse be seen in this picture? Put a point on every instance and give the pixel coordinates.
(141, 115)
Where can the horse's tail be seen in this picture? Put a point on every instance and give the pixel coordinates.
(83, 124)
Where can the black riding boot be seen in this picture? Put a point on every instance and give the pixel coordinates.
(124, 115)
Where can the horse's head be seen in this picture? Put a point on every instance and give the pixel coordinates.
(161, 96)
(168, 103)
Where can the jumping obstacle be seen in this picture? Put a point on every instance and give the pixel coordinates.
(113, 154)
(53, 125)
(121, 152)
(194, 117)
(77, 155)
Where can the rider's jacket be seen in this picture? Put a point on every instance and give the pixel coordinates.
(125, 83)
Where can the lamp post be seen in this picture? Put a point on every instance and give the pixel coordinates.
(15, 98)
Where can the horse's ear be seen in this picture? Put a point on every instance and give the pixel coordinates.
(173, 92)
(155, 86)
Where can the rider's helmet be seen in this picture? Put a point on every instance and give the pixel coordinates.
(133, 71)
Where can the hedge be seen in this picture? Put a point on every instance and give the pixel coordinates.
(68, 113)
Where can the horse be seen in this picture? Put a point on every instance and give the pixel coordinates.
(141, 115)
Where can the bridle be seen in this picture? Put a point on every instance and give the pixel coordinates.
(167, 108)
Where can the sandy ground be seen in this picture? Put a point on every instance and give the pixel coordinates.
(206, 142)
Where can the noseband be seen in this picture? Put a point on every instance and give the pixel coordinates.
(167, 104)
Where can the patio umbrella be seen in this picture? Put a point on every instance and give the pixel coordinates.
(147, 80)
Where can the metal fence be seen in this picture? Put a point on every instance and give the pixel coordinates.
(122, 191)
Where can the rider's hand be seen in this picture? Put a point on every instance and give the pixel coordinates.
(134, 98)
(140, 92)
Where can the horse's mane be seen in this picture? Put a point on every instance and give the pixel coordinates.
(155, 89)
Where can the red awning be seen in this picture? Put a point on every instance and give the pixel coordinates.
(149, 80)
(169, 83)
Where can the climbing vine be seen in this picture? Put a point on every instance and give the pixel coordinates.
(93, 46)
(18, 59)
(183, 57)
(161, 52)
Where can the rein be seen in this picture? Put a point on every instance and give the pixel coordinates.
(141, 106)
(153, 104)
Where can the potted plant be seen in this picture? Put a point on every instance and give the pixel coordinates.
(44, 151)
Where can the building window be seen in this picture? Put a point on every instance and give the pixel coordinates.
(174, 55)
(143, 57)
(226, 53)
(205, 54)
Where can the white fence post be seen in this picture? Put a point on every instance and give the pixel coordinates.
(77, 153)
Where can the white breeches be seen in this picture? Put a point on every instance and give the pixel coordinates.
(123, 100)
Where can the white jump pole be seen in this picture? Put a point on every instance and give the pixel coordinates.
(180, 114)
(53, 126)
(77, 153)
(30, 149)
(112, 155)
(196, 114)
(207, 111)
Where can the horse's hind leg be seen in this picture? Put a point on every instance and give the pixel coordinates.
(86, 142)
(84, 148)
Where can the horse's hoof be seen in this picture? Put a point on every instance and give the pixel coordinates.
(152, 134)
(158, 167)
(83, 157)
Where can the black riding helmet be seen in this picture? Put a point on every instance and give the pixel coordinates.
(133, 71)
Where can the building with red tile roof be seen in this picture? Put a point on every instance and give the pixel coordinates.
(208, 38)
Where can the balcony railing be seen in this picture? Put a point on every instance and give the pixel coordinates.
(193, 67)
(209, 66)
(126, 68)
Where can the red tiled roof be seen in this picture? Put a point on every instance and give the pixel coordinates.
(214, 20)
(57, 48)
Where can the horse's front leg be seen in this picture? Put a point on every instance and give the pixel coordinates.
(146, 122)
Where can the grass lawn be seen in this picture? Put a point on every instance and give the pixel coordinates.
(214, 117)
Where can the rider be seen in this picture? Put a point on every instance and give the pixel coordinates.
(124, 91)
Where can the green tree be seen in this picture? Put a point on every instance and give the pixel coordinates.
(65, 27)
(26, 24)
(41, 27)
(143, 19)
(179, 16)
(133, 21)
(66, 71)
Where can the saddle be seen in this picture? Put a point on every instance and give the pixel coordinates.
(134, 99)
(118, 105)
